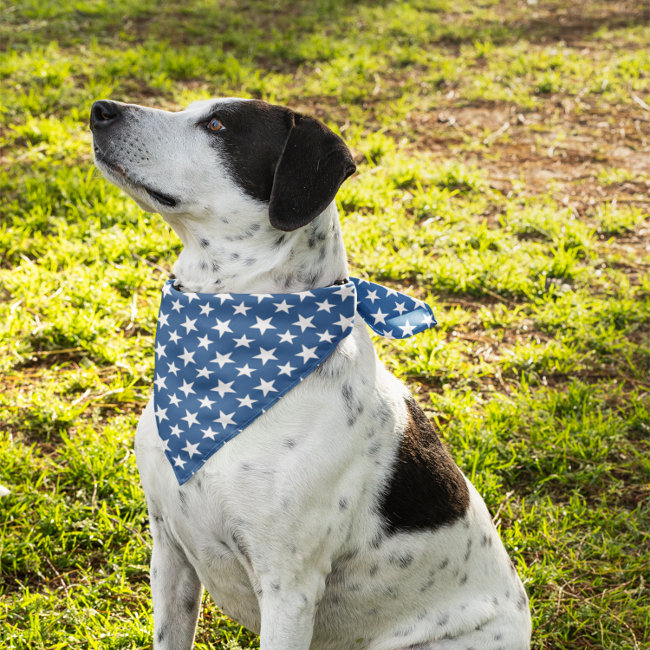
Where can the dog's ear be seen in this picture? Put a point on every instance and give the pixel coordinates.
(312, 166)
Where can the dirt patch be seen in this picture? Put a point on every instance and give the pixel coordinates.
(584, 155)
(544, 21)
(572, 22)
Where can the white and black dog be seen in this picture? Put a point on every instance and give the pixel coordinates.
(337, 520)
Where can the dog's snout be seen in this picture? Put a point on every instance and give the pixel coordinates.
(104, 113)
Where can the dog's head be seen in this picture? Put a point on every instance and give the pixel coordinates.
(224, 158)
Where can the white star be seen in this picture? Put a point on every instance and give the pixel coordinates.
(191, 449)
(172, 368)
(190, 418)
(174, 400)
(173, 336)
(244, 341)
(165, 446)
(407, 329)
(178, 462)
(263, 324)
(209, 433)
(241, 308)
(188, 357)
(161, 414)
(261, 296)
(222, 359)
(204, 372)
(287, 337)
(379, 316)
(166, 289)
(325, 336)
(224, 387)
(225, 418)
(204, 341)
(160, 382)
(307, 353)
(206, 402)
(176, 431)
(283, 306)
(266, 387)
(191, 296)
(346, 290)
(160, 350)
(399, 307)
(176, 305)
(222, 326)
(186, 388)
(223, 297)
(372, 296)
(326, 305)
(246, 401)
(344, 323)
(266, 355)
(303, 323)
(245, 370)
(206, 309)
(305, 294)
(286, 369)
(163, 319)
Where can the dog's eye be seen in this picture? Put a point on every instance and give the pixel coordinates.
(215, 125)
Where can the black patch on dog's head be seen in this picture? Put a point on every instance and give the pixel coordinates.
(293, 162)
(253, 139)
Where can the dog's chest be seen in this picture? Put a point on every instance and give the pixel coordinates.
(309, 469)
(219, 516)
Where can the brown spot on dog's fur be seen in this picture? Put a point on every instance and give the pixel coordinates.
(427, 490)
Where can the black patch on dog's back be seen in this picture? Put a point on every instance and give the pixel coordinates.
(426, 490)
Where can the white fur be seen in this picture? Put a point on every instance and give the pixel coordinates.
(261, 525)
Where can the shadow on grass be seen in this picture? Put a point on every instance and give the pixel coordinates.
(248, 29)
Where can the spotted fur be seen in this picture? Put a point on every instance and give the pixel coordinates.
(337, 520)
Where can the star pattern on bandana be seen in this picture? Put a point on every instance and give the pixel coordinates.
(224, 359)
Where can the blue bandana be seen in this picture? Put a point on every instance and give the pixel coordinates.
(224, 359)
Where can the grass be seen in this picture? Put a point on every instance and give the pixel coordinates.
(502, 151)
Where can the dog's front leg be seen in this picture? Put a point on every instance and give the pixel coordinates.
(287, 615)
(176, 592)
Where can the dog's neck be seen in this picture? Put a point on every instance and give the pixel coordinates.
(258, 258)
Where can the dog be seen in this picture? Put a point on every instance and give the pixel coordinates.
(337, 520)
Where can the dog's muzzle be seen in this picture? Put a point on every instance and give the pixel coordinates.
(104, 115)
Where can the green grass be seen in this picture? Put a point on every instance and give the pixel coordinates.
(502, 152)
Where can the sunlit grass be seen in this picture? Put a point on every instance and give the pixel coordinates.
(537, 374)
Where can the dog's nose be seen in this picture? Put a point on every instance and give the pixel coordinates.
(103, 114)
